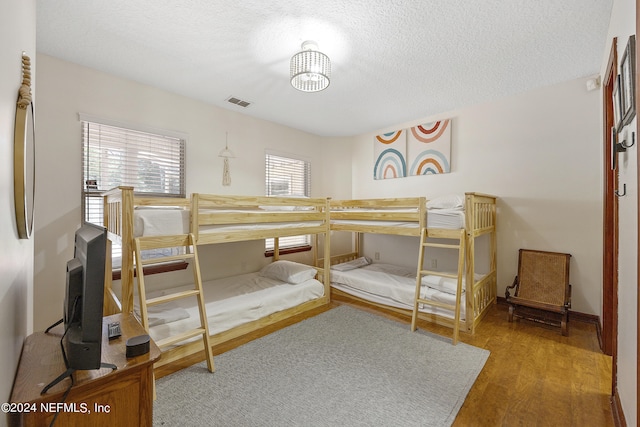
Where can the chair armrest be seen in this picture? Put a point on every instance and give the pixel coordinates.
(514, 286)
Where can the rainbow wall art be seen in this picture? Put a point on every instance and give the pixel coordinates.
(429, 148)
(390, 151)
(420, 150)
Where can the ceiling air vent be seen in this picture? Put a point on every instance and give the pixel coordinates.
(239, 102)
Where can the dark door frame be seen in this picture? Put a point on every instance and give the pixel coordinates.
(637, 101)
(610, 218)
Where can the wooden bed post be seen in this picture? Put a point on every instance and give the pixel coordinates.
(493, 251)
(127, 249)
(193, 215)
(469, 224)
(276, 248)
(327, 250)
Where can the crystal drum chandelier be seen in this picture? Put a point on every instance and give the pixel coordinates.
(310, 69)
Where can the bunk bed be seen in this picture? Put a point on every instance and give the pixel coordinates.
(236, 305)
(463, 218)
(125, 218)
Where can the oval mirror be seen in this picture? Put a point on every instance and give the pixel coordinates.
(24, 155)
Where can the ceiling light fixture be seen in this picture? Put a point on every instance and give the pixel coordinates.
(310, 69)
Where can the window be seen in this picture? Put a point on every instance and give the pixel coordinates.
(152, 163)
(287, 176)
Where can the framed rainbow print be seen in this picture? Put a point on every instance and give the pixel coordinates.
(429, 148)
(390, 155)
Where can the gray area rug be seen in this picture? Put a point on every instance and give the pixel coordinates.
(344, 367)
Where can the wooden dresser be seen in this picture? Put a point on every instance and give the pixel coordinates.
(102, 397)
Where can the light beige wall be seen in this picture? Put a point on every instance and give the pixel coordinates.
(622, 25)
(540, 153)
(67, 89)
(18, 34)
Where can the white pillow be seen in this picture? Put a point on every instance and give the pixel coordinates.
(351, 265)
(288, 271)
(451, 201)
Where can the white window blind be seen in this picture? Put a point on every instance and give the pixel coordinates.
(153, 164)
(287, 176)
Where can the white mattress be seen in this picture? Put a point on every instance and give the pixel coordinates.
(392, 285)
(168, 221)
(209, 229)
(445, 218)
(160, 221)
(436, 218)
(236, 300)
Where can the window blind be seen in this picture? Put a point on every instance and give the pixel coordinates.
(153, 164)
(287, 176)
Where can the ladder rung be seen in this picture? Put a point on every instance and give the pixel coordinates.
(442, 245)
(181, 337)
(437, 304)
(172, 297)
(166, 259)
(438, 273)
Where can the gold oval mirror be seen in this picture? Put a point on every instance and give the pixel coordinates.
(24, 155)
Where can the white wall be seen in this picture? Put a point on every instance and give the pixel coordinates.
(18, 34)
(66, 89)
(540, 153)
(622, 25)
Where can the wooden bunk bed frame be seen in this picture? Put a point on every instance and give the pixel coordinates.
(214, 211)
(118, 206)
(480, 219)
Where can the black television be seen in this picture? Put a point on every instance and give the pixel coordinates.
(81, 341)
(84, 297)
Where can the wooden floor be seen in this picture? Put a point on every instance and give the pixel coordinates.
(533, 377)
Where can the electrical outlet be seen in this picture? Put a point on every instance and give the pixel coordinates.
(434, 263)
(377, 256)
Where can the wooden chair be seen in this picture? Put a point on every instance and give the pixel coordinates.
(542, 284)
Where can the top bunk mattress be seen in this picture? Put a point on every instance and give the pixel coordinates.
(159, 221)
(446, 212)
(436, 218)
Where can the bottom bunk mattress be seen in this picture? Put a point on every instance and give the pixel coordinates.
(230, 302)
(395, 286)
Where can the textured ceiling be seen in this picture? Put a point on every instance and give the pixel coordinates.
(393, 61)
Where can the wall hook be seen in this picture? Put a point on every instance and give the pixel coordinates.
(624, 191)
(633, 141)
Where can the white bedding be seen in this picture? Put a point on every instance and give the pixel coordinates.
(236, 300)
(160, 221)
(257, 226)
(436, 218)
(392, 285)
(168, 221)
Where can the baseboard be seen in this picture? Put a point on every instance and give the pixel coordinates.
(576, 316)
(573, 315)
(616, 410)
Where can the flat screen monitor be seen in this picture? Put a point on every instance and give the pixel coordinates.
(84, 297)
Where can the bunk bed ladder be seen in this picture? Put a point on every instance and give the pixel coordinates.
(424, 243)
(188, 242)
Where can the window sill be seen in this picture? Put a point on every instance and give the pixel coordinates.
(289, 250)
(155, 269)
